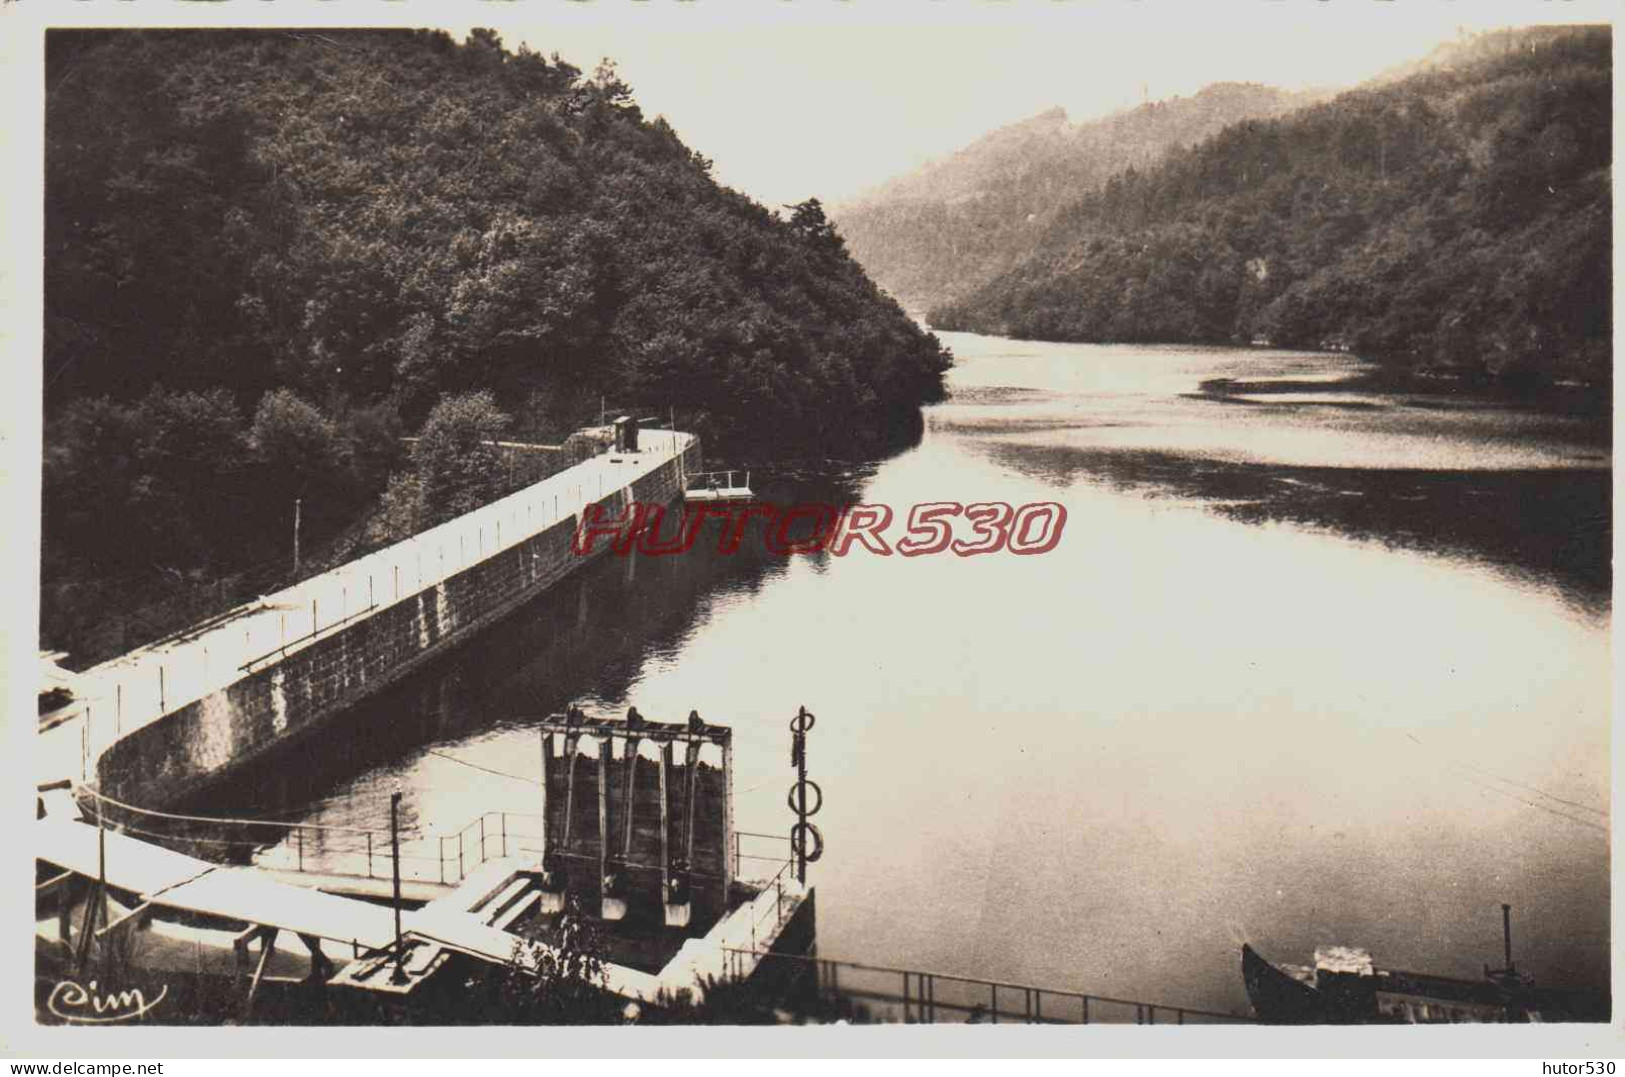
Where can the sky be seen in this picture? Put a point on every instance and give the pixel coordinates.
(826, 98)
(792, 99)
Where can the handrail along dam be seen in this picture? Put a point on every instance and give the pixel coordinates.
(157, 724)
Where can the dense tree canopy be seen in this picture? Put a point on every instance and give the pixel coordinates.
(391, 216)
(270, 253)
(1458, 217)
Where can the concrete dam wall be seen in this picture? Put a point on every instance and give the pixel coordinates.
(166, 720)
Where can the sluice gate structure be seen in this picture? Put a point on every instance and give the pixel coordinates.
(157, 724)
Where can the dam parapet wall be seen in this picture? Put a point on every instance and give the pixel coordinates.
(162, 721)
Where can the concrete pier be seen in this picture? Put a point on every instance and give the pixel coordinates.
(158, 722)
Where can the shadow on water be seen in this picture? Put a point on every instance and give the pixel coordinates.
(1480, 514)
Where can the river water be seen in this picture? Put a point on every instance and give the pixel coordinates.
(1307, 667)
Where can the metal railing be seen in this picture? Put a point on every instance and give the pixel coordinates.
(918, 997)
(759, 859)
(767, 853)
(126, 693)
(324, 848)
(494, 835)
(714, 480)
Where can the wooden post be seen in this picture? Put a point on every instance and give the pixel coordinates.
(665, 822)
(130, 921)
(96, 901)
(605, 747)
(399, 975)
(727, 812)
(321, 966)
(267, 944)
(547, 754)
(298, 505)
(64, 912)
(87, 925)
(1506, 934)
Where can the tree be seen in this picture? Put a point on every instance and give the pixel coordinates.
(458, 464)
(558, 978)
(298, 449)
(807, 221)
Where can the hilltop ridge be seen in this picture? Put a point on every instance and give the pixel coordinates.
(1459, 216)
(938, 232)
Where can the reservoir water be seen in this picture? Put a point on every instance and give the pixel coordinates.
(1306, 667)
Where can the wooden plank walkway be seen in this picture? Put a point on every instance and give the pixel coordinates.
(131, 865)
(244, 894)
(173, 880)
(167, 879)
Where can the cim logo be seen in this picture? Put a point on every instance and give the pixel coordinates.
(87, 1005)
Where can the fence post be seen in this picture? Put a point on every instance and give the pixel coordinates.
(1085, 1000)
(1151, 1015)
(369, 854)
(482, 839)
(504, 834)
(442, 849)
(460, 873)
(299, 841)
(118, 708)
(995, 1007)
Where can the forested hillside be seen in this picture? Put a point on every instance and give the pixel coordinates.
(938, 233)
(1459, 217)
(269, 254)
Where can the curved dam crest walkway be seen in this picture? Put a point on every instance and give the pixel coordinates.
(258, 673)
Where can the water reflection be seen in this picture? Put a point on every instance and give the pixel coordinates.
(1541, 526)
(1295, 674)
